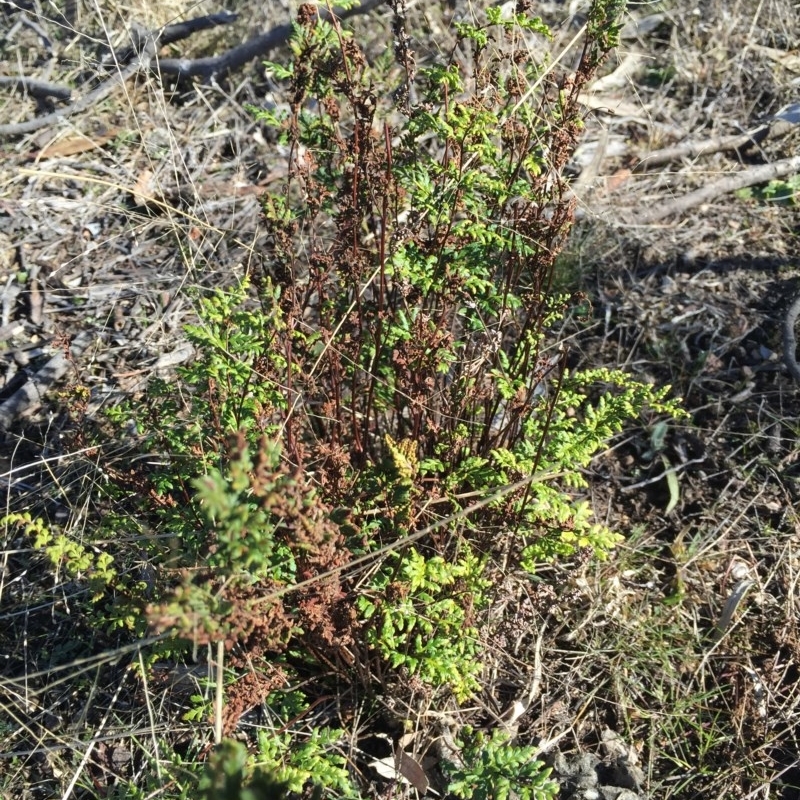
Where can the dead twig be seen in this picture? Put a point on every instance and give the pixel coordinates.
(24, 20)
(260, 46)
(693, 150)
(790, 339)
(146, 43)
(175, 32)
(30, 395)
(183, 30)
(36, 88)
(138, 57)
(147, 54)
(730, 183)
(742, 141)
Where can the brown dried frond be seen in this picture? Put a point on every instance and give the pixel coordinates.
(250, 690)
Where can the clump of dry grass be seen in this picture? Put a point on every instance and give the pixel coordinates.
(697, 302)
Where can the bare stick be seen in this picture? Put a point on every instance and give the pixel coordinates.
(696, 149)
(36, 88)
(730, 183)
(790, 339)
(260, 46)
(31, 394)
(87, 101)
(183, 30)
(174, 33)
(775, 127)
(182, 68)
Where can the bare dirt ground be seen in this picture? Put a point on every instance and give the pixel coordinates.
(676, 665)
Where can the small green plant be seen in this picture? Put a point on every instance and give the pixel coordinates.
(227, 777)
(781, 192)
(284, 763)
(115, 598)
(492, 768)
(237, 347)
(423, 611)
(302, 761)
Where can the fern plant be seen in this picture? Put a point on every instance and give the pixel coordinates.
(492, 768)
(380, 419)
(395, 347)
(423, 614)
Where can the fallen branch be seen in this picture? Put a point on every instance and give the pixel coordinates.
(36, 88)
(143, 49)
(174, 32)
(717, 144)
(258, 47)
(790, 339)
(24, 20)
(31, 394)
(87, 101)
(146, 43)
(730, 183)
(696, 149)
